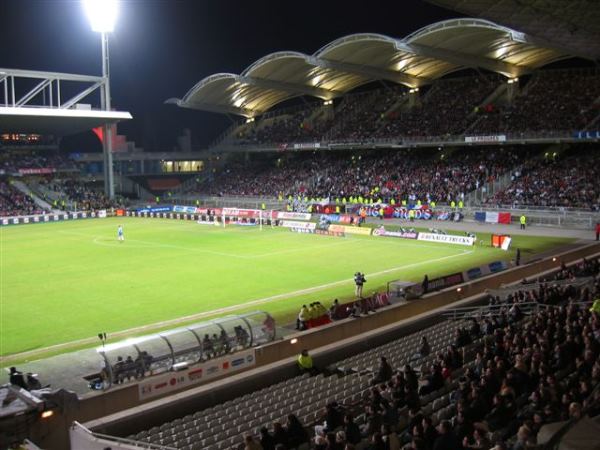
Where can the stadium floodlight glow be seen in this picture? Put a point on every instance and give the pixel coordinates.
(102, 14)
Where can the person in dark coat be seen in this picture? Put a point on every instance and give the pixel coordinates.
(384, 371)
(266, 440)
(296, 433)
(447, 440)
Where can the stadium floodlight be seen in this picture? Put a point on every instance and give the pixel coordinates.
(102, 14)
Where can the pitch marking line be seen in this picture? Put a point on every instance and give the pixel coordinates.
(227, 309)
(105, 242)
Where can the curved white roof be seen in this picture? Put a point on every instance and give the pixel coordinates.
(340, 66)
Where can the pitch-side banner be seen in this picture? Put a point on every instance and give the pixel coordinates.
(446, 238)
(239, 212)
(296, 224)
(293, 215)
(337, 218)
(350, 230)
(381, 231)
(184, 209)
(155, 209)
(173, 381)
(209, 211)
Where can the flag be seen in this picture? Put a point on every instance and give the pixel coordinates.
(491, 217)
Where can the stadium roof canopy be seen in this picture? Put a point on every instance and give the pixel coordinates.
(573, 25)
(348, 62)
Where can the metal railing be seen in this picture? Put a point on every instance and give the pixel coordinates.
(253, 202)
(544, 217)
(80, 433)
(478, 312)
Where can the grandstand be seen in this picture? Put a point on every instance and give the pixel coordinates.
(460, 352)
(457, 166)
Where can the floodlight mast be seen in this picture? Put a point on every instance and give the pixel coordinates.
(103, 15)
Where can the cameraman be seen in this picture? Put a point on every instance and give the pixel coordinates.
(359, 280)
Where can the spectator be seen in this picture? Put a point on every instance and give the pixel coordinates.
(384, 371)
(302, 320)
(17, 379)
(296, 434)
(351, 429)
(447, 440)
(251, 444)
(305, 363)
(266, 440)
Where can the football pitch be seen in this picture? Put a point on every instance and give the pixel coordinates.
(66, 281)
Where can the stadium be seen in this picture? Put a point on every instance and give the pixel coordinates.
(386, 237)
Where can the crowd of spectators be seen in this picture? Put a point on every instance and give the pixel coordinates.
(303, 125)
(571, 180)
(527, 371)
(13, 161)
(420, 174)
(14, 203)
(79, 194)
(551, 101)
(51, 167)
(445, 110)
(360, 116)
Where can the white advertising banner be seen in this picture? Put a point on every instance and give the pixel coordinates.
(293, 215)
(102, 213)
(493, 138)
(307, 145)
(173, 381)
(296, 224)
(446, 238)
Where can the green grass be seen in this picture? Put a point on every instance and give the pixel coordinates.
(62, 282)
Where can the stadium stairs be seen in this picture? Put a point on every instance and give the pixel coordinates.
(21, 186)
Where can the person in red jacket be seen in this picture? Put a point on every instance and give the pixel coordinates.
(598, 231)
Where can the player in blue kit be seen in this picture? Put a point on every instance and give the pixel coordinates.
(120, 236)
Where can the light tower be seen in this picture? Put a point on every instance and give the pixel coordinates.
(103, 15)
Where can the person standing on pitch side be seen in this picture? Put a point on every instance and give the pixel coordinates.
(359, 281)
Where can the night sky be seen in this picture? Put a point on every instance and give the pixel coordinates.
(161, 48)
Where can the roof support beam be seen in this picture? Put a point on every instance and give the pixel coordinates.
(49, 75)
(221, 109)
(32, 93)
(69, 103)
(290, 87)
(369, 72)
(464, 59)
